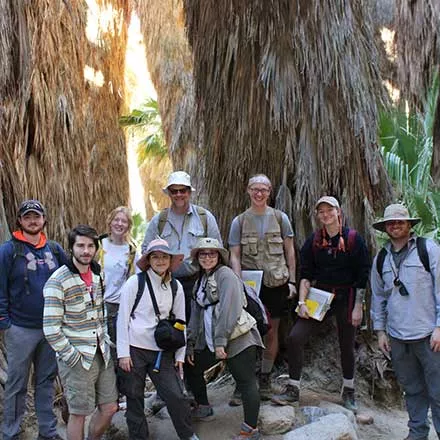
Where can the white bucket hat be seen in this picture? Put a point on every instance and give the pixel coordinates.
(210, 243)
(329, 200)
(178, 178)
(396, 211)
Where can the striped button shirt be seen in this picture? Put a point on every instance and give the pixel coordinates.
(74, 320)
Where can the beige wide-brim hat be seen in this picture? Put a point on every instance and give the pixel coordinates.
(211, 244)
(159, 245)
(178, 178)
(396, 211)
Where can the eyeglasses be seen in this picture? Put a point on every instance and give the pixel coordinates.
(178, 191)
(259, 190)
(208, 254)
(402, 289)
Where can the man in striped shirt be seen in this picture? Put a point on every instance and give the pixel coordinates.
(74, 325)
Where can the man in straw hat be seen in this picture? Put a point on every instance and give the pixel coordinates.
(406, 315)
(27, 261)
(181, 226)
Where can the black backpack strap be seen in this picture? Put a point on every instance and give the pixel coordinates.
(19, 251)
(140, 291)
(423, 252)
(380, 260)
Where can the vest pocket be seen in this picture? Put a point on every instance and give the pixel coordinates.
(249, 245)
(275, 245)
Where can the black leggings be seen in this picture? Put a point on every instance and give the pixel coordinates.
(242, 368)
(304, 328)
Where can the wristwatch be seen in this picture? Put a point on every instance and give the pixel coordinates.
(301, 303)
(291, 282)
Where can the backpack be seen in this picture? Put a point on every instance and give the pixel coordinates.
(163, 217)
(141, 287)
(351, 240)
(421, 251)
(256, 309)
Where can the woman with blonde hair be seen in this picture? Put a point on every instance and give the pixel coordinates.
(117, 256)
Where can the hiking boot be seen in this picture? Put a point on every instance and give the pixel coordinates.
(247, 432)
(348, 399)
(264, 386)
(288, 396)
(202, 413)
(236, 399)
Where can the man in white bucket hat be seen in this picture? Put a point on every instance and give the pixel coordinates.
(406, 315)
(181, 226)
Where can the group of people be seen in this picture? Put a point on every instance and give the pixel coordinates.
(96, 324)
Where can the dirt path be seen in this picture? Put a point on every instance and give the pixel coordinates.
(389, 424)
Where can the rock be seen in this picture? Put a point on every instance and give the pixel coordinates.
(276, 420)
(309, 414)
(163, 414)
(333, 408)
(330, 427)
(364, 419)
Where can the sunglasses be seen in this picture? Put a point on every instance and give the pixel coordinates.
(402, 289)
(178, 191)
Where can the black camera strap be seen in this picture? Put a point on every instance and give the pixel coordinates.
(153, 299)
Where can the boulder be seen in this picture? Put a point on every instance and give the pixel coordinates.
(333, 408)
(330, 427)
(275, 419)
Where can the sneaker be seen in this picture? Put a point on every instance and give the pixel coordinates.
(193, 437)
(264, 385)
(236, 399)
(348, 399)
(288, 396)
(202, 413)
(411, 437)
(247, 432)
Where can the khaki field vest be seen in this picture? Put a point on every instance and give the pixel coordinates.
(265, 254)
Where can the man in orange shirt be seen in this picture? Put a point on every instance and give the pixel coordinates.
(27, 261)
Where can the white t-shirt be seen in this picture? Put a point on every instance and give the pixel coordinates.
(116, 268)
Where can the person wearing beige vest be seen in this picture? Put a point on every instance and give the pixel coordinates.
(261, 238)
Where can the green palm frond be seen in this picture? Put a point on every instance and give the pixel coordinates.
(147, 122)
(406, 139)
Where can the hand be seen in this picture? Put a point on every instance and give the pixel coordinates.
(384, 343)
(292, 291)
(179, 368)
(303, 312)
(435, 339)
(190, 359)
(356, 315)
(220, 353)
(126, 363)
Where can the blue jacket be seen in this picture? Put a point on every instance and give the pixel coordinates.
(22, 279)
